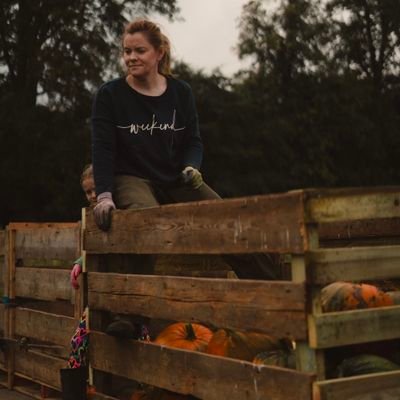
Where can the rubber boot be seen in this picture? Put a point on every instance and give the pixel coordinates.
(73, 383)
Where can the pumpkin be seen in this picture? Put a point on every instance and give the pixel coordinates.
(364, 364)
(278, 358)
(182, 335)
(341, 296)
(241, 345)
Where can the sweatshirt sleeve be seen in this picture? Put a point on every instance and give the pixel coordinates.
(103, 141)
(193, 152)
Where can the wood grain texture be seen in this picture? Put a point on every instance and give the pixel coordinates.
(380, 386)
(272, 223)
(334, 205)
(343, 328)
(354, 264)
(43, 284)
(44, 326)
(54, 242)
(204, 376)
(39, 368)
(277, 308)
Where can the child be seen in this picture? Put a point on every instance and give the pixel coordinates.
(87, 184)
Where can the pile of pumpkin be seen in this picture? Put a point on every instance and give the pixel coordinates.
(370, 357)
(255, 347)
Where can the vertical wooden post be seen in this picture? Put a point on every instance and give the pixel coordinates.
(308, 359)
(9, 322)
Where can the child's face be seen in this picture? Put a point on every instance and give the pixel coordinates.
(90, 191)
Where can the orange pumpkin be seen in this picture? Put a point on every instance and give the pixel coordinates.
(341, 296)
(182, 335)
(241, 345)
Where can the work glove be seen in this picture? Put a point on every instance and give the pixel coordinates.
(191, 176)
(102, 211)
(75, 272)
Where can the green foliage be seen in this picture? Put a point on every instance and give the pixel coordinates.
(318, 107)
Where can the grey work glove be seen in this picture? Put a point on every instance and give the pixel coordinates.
(102, 211)
(192, 177)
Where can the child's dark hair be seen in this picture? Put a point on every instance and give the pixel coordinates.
(87, 172)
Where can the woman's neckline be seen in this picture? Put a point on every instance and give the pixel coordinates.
(146, 94)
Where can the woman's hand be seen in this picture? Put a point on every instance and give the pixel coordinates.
(191, 176)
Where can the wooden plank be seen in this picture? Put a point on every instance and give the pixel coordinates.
(277, 308)
(354, 264)
(379, 386)
(44, 326)
(40, 368)
(204, 376)
(352, 204)
(343, 328)
(2, 242)
(271, 223)
(59, 243)
(348, 231)
(50, 284)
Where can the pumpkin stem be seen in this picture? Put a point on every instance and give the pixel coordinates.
(190, 335)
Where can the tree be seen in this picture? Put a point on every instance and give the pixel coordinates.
(59, 50)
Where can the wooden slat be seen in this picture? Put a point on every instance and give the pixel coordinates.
(204, 376)
(2, 242)
(44, 284)
(277, 308)
(272, 223)
(59, 243)
(40, 368)
(350, 327)
(352, 204)
(44, 326)
(354, 230)
(380, 386)
(354, 264)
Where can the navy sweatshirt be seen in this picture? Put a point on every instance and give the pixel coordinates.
(152, 137)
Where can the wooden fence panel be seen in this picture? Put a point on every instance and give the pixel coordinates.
(277, 308)
(204, 376)
(324, 206)
(44, 284)
(380, 386)
(272, 223)
(350, 327)
(57, 329)
(53, 245)
(354, 264)
(39, 368)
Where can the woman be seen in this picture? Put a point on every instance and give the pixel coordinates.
(147, 148)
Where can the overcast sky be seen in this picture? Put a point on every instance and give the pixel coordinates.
(206, 37)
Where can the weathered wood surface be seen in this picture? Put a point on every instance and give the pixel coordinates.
(2, 242)
(354, 264)
(380, 386)
(359, 231)
(272, 223)
(352, 204)
(44, 326)
(204, 376)
(39, 368)
(44, 284)
(343, 328)
(46, 242)
(277, 308)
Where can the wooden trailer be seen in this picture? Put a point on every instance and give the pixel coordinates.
(323, 236)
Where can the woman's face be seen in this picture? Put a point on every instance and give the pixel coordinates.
(140, 56)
